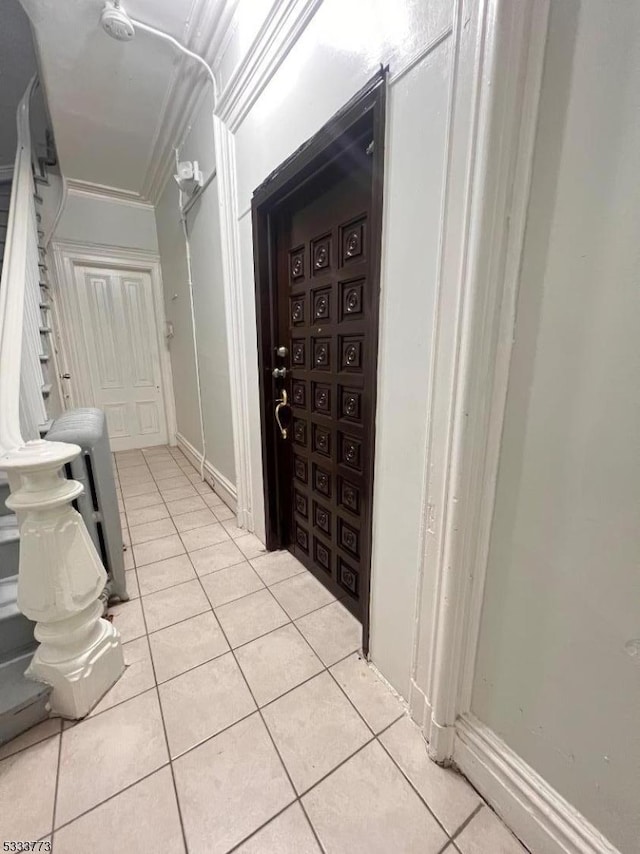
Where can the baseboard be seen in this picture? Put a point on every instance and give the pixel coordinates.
(537, 814)
(220, 484)
(419, 707)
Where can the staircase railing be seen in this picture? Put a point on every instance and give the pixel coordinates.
(22, 408)
(60, 576)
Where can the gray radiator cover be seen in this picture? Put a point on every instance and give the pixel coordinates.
(87, 427)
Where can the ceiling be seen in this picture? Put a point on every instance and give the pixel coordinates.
(17, 67)
(114, 105)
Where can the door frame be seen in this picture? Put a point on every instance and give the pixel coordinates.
(67, 256)
(492, 145)
(301, 166)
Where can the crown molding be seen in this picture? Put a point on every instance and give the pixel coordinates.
(77, 187)
(275, 38)
(273, 41)
(209, 28)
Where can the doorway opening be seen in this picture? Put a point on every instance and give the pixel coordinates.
(112, 317)
(317, 238)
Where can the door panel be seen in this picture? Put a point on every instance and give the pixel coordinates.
(326, 319)
(116, 337)
(105, 320)
(317, 227)
(138, 312)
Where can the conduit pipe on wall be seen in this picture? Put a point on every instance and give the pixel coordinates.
(187, 249)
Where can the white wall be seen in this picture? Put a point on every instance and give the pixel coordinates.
(557, 672)
(204, 235)
(340, 49)
(178, 312)
(92, 219)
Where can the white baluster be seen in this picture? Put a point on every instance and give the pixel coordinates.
(60, 581)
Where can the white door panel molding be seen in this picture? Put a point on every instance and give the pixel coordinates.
(112, 322)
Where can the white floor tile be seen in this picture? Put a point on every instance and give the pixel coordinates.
(277, 662)
(201, 538)
(276, 566)
(216, 557)
(230, 786)
(165, 573)
(204, 701)
(185, 505)
(448, 794)
(23, 816)
(301, 594)
(251, 616)
(332, 631)
(174, 604)
(102, 755)
(288, 833)
(35, 735)
(486, 834)
(250, 546)
(186, 645)
(229, 584)
(375, 702)
(128, 620)
(158, 550)
(147, 812)
(367, 807)
(315, 728)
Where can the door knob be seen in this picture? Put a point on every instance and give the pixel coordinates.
(281, 351)
(282, 401)
(65, 376)
(279, 373)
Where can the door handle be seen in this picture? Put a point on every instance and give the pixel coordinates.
(279, 373)
(282, 401)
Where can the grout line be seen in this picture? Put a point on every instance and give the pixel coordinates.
(55, 795)
(29, 746)
(264, 724)
(259, 709)
(164, 725)
(410, 782)
(263, 825)
(111, 797)
(468, 821)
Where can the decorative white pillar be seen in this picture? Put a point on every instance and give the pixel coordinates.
(60, 581)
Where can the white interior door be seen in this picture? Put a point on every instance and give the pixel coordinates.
(116, 338)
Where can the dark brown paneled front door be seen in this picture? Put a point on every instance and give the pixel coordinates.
(321, 325)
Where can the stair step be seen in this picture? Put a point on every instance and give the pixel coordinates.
(46, 389)
(16, 631)
(4, 494)
(44, 358)
(23, 702)
(9, 545)
(45, 330)
(43, 429)
(41, 179)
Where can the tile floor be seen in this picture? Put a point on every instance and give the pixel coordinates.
(245, 721)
